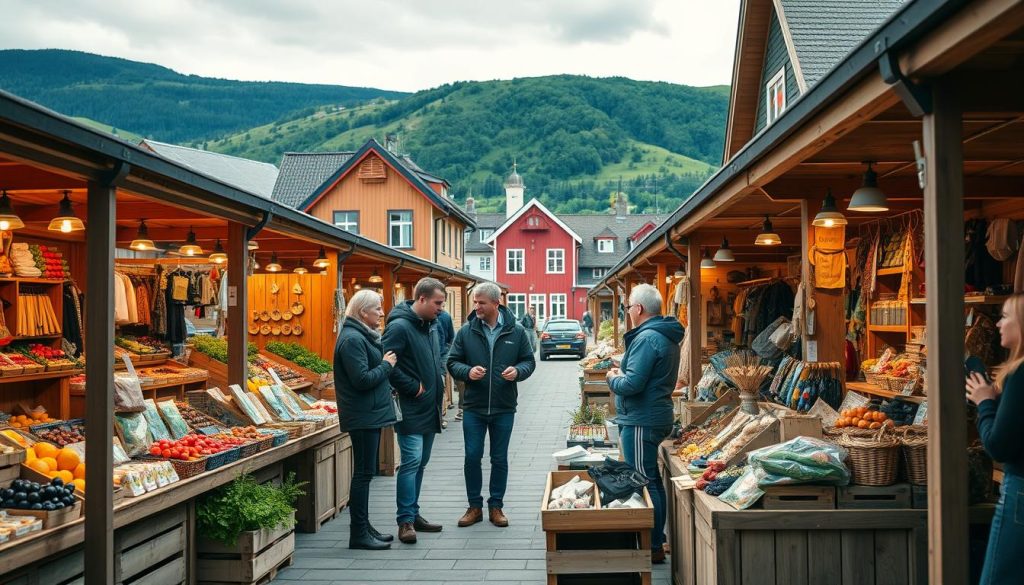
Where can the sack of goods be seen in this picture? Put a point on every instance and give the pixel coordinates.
(575, 494)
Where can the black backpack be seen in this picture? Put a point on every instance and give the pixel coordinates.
(617, 480)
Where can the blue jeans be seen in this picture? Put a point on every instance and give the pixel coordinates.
(639, 447)
(474, 427)
(1006, 539)
(415, 455)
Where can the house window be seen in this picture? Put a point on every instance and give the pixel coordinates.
(556, 261)
(558, 302)
(400, 229)
(775, 96)
(537, 304)
(515, 261)
(484, 234)
(485, 263)
(517, 304)
(533, 221)
(606, 246)
(347, 220)
(598, 273)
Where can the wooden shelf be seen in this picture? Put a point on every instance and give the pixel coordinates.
(39, 376)
(888, 328)
(31, 280)
(889, 271)
(971, 300)
(31, 337)
(865, 388)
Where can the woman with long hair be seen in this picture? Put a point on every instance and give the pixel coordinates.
(1000, 416)
(361, 370)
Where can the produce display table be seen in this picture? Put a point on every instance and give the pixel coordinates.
(17, 555)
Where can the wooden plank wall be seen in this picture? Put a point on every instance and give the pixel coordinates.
(316, 298)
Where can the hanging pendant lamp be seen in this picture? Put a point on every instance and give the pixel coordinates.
(724, 254)
(274, 265)
(300, 269)
(66, 222)
(253, 245)
(767, 237)
(255, 262)
(8, 219)
(321, 259)
(706, 261)
(142, 241)
(869, 198)
(218, 256)
(829, 216)
(376, 278)
(191, 248)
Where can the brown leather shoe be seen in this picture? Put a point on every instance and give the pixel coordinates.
(471, 517)
(658, 556)
(406, 533)
(498, 517)
(422, 525)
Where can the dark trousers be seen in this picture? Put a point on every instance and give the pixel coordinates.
(365, 443)
(475, 426)
(639, 447)
(1006, 539)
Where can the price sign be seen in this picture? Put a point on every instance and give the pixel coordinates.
(853, 400)
(909, 387)
(921, 418)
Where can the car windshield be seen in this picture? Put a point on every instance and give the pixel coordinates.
(563, 326)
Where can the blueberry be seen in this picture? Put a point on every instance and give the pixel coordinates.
(33, 497)
(8, 503)
(36, 506)
(48, 506)
(7, 493)
(20, 496)
(33, 486)
(57, 481)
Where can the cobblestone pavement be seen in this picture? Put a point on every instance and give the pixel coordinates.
(481, 553)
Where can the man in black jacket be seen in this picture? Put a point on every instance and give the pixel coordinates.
(491, 353)
(411, 333)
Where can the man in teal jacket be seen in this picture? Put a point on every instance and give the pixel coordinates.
(643, 387)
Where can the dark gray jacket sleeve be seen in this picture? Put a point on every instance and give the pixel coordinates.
(396, 340)
(361, 375)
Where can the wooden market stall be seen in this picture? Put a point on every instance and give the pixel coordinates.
(933, 99)
(68, 285)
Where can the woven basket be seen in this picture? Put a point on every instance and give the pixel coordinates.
(914, 450)
(251, 448)
(221, 459)
(893, 384)
(874, 460)
(184, 469)
(264, 443)
(871, 378)
(279, 437)
(293, 431)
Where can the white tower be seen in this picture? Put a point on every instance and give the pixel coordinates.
(514, 189)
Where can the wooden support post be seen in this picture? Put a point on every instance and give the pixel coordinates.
(99, 370)
(829, 339)
(947, 418)
(694, 313)
(615, 314)
(662, 286)
(238, 313)
(388, 290)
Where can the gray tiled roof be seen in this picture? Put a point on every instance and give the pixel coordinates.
(590, 226)
(302, 172)
(824, 31)
(484, 221)
(249, 175)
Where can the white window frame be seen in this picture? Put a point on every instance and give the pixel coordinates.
(484, 234)
(557, 256)
(538, 302)
(561, 301)
(770, 112)
(347, 224)
(485, 264)
(517, 304)
(598, 273)
(401, 224)
(521, 253)
(606, 246)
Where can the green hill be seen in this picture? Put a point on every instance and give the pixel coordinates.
(573, 137)
(159, 103)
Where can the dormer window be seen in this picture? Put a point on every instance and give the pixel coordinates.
(484, 234)
(775, 96)
(606, 246)
(533, 221)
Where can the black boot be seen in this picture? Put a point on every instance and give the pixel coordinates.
(381, 537)
(362, 539)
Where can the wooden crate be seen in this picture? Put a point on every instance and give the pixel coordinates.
(919, 497)
(765, 437)
(255, 559)
(317, 467)
(862, 497)
(597, 393)
(596, 541)
(272, 474)
(679, 514)
(799, 497)
(690, 409)
(343, 471)
(154, 550)
(729, 398)
(793, 423)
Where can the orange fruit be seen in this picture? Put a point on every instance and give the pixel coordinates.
(67, 460)
(46, 450)
(39, 465)
(65, 476)
(875, 425)
(863, 424)
(79, 484)
(79, 472)
(50, 462)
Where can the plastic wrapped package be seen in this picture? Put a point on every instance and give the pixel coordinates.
(177, 425)
(134, 432)
(157, 428)
(128, 394)
(743, 492)
(800, 460)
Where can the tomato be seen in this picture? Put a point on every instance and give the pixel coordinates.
(165, 453)
(154, 450)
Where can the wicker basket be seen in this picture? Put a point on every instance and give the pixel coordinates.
(874, 460)
(265, 443)
(871, 378)
(914, 450)
(251, 448)
(184, 469)
(894, 384)
(278, 437)
(293, 431)
(221, 459)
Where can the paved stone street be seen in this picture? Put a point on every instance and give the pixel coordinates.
(478, 554)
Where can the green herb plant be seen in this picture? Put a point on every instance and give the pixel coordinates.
(300, 355)
(244, 505)
(217, 347)
(589, 414)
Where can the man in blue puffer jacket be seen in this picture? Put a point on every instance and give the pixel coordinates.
(643, 395)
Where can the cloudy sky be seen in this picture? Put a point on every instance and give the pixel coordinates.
(393, 44)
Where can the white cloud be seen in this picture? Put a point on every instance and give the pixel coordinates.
(393, 44)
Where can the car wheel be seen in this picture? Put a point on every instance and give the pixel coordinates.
(543, 357)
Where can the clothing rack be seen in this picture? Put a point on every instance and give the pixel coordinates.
(767, 280)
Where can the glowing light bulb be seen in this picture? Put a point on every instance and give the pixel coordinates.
(830, 223)
(5, 225)
(65, 226)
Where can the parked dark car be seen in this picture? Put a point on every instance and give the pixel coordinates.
(562, 337)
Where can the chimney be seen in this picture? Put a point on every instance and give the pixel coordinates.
(471, 207)
(391, 143)
(621, 206)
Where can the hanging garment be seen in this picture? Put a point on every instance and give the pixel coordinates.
(121, 315)
(828, 256)
(799, 324)
(176, 328)
(1002, 239)
(72, 323)
(981, 270)
(130, 300)
(1018, 274)
(685, 367)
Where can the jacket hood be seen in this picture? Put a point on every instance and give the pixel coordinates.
(669, 327)
(508, 319)
(404, 311)
(357, 325)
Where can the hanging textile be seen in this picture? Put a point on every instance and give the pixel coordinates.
(1002, 238)
(685, 367)
(799, 323)
(71, 326)
(828, 256)
(121, 314)
(981, 270)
